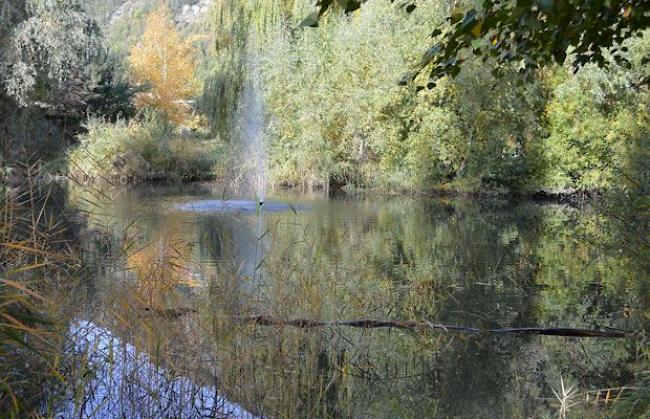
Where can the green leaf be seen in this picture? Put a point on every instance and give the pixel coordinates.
(468, 21)
(310, 21)
(405, 79)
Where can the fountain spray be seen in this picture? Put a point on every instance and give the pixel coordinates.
(252, 128)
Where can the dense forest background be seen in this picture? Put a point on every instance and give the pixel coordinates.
(146, 89)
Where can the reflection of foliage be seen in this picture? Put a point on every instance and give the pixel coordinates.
(160, 267)
(476, 265)
(449, 268)
(597, 285)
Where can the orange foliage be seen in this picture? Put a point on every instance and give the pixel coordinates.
(164, 61)
(160, 267)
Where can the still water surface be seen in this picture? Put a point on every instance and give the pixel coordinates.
(191, 275)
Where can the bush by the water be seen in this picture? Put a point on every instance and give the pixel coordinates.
(337, 114)
(143, 148)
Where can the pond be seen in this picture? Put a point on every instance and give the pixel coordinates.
(181, 279)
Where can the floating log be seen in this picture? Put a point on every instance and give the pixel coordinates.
(411, 325)
(172, 313)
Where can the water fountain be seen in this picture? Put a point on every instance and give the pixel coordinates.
(251, 127)
(252, 160)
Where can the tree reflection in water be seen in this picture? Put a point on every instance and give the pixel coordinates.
(488, 265)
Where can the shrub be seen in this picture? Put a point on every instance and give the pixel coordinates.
(597, 120)
(142, 149)
(338, 115)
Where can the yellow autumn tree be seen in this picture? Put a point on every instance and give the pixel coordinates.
(164, 61)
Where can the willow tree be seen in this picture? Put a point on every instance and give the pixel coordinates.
(45, 50)
(164, 62)
(529, 33)
(236, 29)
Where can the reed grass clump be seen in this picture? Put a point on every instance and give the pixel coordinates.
(37, 262)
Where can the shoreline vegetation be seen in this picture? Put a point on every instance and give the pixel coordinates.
(84, 179)
(332, 116)
(98, 97)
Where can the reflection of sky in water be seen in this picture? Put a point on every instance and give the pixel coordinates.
(126, 384)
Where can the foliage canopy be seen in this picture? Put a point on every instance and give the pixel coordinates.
(46, 49)
(164, 62)
(529, 33)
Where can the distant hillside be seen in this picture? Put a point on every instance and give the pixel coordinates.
(122, 20)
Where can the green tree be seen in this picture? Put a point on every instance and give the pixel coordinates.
(355, 126)
(528, 33)
(53, 67)
(46, 51)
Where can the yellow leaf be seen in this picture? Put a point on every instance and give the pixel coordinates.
(476, 30)
(627, 12)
